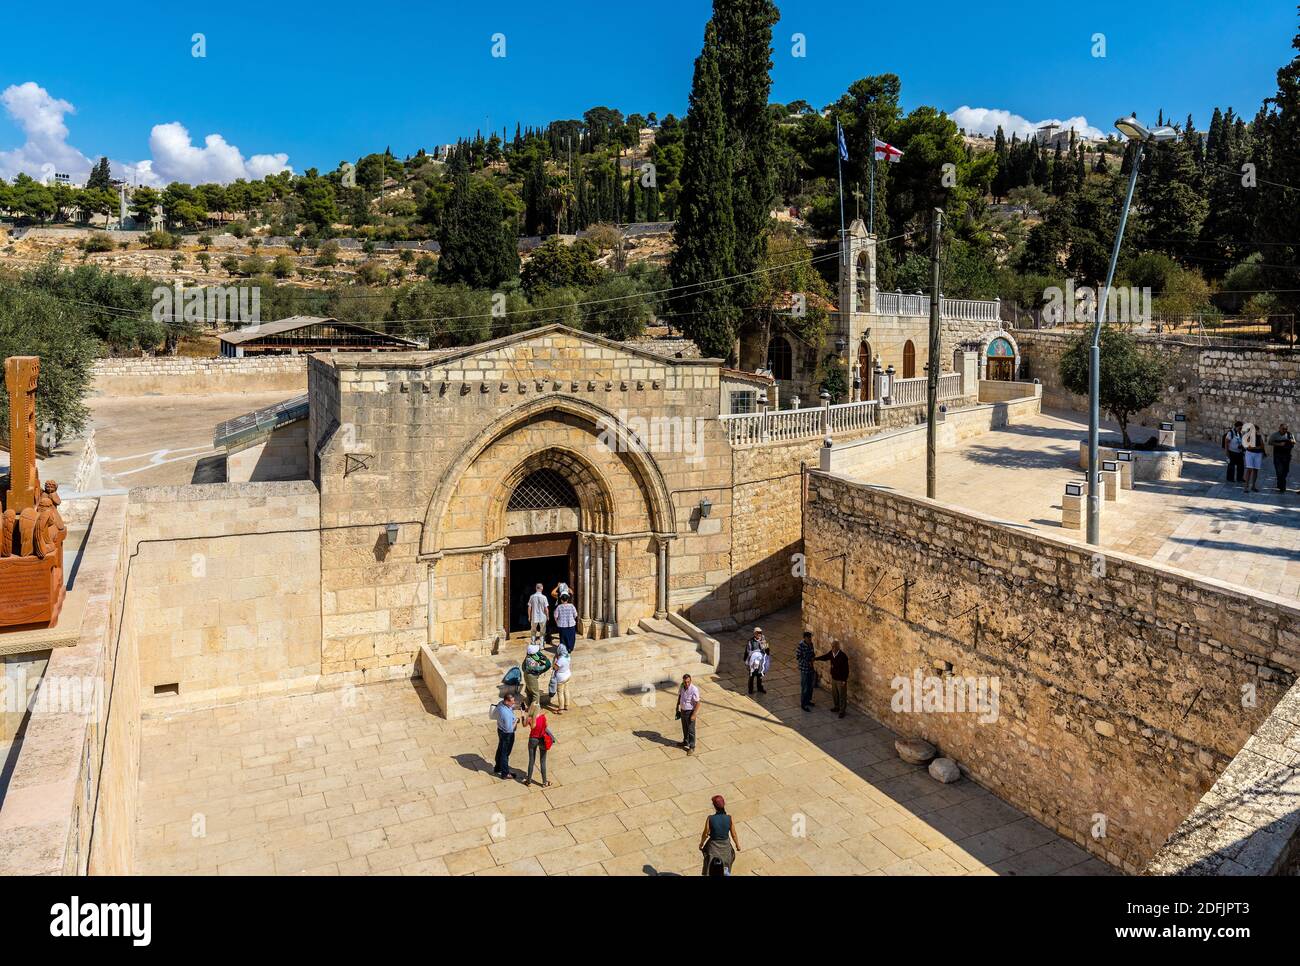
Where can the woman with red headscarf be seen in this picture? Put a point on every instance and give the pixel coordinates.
(718, 829)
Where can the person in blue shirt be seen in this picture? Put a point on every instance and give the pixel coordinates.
(507, 720)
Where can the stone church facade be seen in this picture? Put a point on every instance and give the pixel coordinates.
(450, 484)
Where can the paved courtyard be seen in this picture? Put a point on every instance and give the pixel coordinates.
(370, 780)
(165, 440)
(1198, 523)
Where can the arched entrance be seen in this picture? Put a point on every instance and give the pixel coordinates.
(1000, 359)
(865, 373)
(909, 360)
(557, 489)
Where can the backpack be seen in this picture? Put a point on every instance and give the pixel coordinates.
(513, 678)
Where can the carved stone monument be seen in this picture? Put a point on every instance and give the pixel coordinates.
(31, 529)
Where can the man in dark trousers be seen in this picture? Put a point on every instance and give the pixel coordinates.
(804, 655)
(1283, 443)
(839, 676)
(1236, 453)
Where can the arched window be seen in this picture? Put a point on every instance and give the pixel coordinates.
(909, 360)
(543, 489)
(861, 281)
(779, 358)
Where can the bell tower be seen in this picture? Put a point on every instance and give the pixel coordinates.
(857, 281)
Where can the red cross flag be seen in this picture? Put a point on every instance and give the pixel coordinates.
(886, 152)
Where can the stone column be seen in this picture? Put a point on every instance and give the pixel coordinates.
(598, 586)
(611, 614)
(661, 598)
(585, 576)
(431, 609)
(499, 585)
(487, 596)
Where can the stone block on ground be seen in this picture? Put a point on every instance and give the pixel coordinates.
(944, 770)
(915, 751)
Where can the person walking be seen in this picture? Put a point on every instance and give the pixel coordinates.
(1283, 443)
(1252, 442)
(839, 676)
(563, 671)
(804, 654)
(688, 707)
(718, 842)
(1235, 451)
(566, 619)
(507, 719)
(536, 663)
(757, 668)
(756, 642)
(539, 612)
(540, 740)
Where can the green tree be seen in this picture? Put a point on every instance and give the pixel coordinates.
(101, 176)
(705, 233)
(1130, 380)
(37, 323)
(478, 242)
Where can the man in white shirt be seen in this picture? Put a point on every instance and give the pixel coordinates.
(539, 611)
(688, 706)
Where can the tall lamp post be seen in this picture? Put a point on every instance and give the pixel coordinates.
(1134, 130)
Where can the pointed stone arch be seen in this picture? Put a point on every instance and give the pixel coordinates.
(605, 428)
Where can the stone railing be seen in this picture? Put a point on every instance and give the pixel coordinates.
(912, 392)
(774, 426)
(914, 306)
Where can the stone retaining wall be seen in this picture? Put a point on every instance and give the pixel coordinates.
(183, 375)
(1248, 823)
(1121, 684)
(1213, 385)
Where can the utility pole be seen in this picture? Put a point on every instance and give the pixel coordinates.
(932, 374)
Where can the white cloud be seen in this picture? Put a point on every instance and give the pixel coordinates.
(175, 157)
(46, 149)
(986, 120)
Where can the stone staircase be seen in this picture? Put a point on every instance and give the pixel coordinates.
(657, 654)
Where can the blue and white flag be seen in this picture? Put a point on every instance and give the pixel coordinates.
(839, 136)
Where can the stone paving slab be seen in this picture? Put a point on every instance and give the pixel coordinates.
(372, 781)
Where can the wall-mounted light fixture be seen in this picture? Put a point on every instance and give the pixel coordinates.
(392, 530)
(706, 507)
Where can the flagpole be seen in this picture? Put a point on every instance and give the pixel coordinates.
(871, 211)
(839, 169)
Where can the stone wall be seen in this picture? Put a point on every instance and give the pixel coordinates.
(1120, 683)
(70, 808)
(282, 455)
(860, 458)
(1248, 823)
(183, 375)
(1213, 385)
(225, 589)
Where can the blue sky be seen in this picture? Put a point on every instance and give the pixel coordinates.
(330, 80)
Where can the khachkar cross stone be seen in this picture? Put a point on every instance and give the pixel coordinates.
(31, 528)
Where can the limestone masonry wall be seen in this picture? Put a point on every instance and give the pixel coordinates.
(1124, 688)
(1213, 385)
(183, 375)
(227, 601)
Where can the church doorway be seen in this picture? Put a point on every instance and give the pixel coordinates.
(1001, 360)
(864, 372)
(549, 559)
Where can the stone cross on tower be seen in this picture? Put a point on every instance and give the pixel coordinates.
(20, 379)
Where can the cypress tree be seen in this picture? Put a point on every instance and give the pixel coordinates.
(705, 233)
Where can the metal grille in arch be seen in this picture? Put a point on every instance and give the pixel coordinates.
(543, 489)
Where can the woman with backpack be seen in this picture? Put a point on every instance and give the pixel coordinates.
(719, 841)
(540, 740)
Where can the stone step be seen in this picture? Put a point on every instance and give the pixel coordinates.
(650, 659)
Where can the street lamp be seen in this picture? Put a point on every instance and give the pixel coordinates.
(1134, 130)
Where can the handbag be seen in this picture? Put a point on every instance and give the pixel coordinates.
(548, 739)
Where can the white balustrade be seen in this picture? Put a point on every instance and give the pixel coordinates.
(918, 306)
(783, 425)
